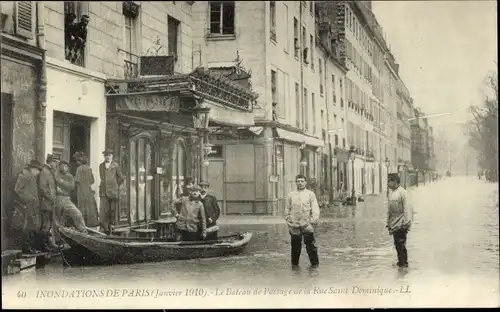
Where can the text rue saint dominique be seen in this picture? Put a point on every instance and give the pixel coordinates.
(228, 291)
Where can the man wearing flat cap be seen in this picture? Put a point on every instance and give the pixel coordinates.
(399, 217)
(212, 209)
(109, 190)
(26, 215)
(191, 221)
(47, 188)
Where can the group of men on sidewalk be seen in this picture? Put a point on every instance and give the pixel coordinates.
(302, 214)
(43, 196)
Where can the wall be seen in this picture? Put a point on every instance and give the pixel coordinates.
(106, 34)
(75, 90)
(19, 79)
(248, 41)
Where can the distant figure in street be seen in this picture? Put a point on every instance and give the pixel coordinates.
(84, 179)
(109, 190)
(212, 209)
(191, 220)
(66, 211)
(47, 200)
(301, 214)
(399, 217)
(26, 215)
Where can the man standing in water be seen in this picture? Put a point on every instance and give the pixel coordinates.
(399, 217)
(109, 190)
(301, 214)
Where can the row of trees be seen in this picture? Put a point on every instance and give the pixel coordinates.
(483, 129)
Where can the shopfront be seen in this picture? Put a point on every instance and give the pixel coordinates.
(156, 130)
(22, 114)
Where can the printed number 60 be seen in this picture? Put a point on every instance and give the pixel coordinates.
(21, 294)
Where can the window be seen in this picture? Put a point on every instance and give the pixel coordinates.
(306, 113)
(334, 87)
(274, 94)
(313, 105)
(297, 105)
(173, 36)
(222, 17)
(311, 44)
(311, 7)
(131, 66)
(304, 46)
(75, 31)
(287, 26)
(272, 15)
(336, 140)
(341, 94)
(320, 69)
(296, 45)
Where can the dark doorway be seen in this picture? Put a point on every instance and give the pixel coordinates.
(6, 159)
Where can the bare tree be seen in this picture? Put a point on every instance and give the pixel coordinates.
(483, 128)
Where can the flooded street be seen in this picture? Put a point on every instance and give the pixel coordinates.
(453, 253)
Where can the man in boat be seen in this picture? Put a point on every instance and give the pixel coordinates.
(212, 209)
(25, 221)
(301, 214)
(109, 190)
(66, 211)
(191, 221)
(47, 189)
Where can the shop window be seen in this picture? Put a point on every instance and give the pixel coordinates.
(222, 17)
(178, 168)
(141, 180)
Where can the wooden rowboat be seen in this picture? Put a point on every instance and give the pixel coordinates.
(96, 248)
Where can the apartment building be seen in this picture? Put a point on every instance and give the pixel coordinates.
(404, 115)
(278, 42)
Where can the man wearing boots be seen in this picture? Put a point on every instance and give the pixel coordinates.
(399, 217)
(301, 214)
(26, 215)
(47, 200)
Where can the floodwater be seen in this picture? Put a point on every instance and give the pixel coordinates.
(453, 252)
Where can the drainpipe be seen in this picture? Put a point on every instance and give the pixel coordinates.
(330, 152)
(42, 85)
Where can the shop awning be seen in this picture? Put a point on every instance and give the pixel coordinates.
(228, 116)
(299, 138)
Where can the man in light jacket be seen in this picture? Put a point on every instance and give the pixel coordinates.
(301, 214)
(399, 217)
(109, 190)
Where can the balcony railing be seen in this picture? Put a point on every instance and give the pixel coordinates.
(130, 69)
(75, 55)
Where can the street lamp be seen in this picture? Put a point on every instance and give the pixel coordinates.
(352, 156)
(405, 166)
(200, 122)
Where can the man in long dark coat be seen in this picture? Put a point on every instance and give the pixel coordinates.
(109, 190)
(212, 209)
(26, 216)
(47, 200)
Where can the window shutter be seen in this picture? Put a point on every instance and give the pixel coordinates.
(23, 20)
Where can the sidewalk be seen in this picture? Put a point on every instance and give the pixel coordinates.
(370, 200)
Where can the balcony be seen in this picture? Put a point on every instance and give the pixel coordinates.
(130, 69)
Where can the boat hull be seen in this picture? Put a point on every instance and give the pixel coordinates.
(87, 249)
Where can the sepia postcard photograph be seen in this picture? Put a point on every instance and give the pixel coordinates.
(249, 154)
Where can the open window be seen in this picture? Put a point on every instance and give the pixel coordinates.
(222, 18)
(76, 20)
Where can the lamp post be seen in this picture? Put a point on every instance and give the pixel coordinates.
(405, 167)
(200, 121)
(387, 164)
(352, 156)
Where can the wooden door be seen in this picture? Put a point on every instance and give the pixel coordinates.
(60, 137)
(216, 180)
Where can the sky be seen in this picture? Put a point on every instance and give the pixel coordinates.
(445, 50)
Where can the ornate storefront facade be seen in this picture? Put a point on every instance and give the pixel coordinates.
(159, 135)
